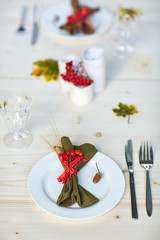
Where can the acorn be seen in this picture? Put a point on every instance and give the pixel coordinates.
(98, 175)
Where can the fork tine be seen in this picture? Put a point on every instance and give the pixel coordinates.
(151, 152)
(148, 158)
(144, 152)
(140, 153)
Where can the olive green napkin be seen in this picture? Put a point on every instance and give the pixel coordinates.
(72, 192)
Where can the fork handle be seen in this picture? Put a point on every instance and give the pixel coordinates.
(133, 196)
(148, 195)
(24, 13)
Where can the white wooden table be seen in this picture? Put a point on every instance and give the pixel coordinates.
(133, 81)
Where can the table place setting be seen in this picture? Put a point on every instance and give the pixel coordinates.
(83, 22)
(80, 162)
(73, 158)
(79, 123)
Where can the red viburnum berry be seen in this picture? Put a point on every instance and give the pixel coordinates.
(77, 80)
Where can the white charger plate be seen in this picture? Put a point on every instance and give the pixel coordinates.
(45, 189)
(101, 19)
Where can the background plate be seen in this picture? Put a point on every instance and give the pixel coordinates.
(102, 21)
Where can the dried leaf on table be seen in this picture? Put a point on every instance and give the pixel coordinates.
(124, 110)
(47, 68)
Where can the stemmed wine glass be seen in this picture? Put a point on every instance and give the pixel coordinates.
(15, 106)
(123, 31)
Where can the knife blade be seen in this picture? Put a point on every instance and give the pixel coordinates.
(129, 160)
(35, 31)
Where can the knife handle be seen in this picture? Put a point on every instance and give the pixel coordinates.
(23, 17)
(37, 11)
(133, 196)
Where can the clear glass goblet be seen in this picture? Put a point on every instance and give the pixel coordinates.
(15, 107)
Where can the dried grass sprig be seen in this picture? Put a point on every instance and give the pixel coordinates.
(53, 138)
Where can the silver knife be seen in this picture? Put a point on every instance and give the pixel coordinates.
(35, 30)
(129, 160)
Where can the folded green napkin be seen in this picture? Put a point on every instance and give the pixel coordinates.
(72, 192)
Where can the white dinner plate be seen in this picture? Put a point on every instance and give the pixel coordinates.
(45, 189)
(101, 19)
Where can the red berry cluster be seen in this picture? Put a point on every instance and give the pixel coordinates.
(76, 154)
(78, 80)
(74, 18)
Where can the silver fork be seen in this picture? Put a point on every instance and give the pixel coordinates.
(21, 28)
(146, 161)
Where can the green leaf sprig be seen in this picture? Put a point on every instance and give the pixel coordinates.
(47, 68)
(3, 106)
(124, 110)
(133, 13)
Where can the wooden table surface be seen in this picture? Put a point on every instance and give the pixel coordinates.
(136, 80)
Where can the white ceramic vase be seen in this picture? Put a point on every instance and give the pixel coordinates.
(81, 95)
(94, 64)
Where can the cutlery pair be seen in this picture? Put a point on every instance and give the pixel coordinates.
(146, 161)
(35, 30)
